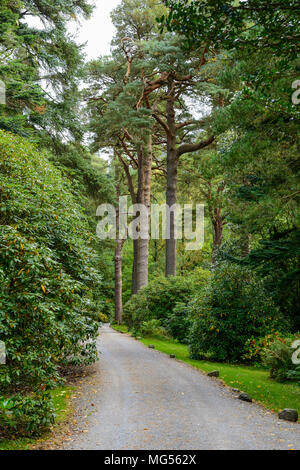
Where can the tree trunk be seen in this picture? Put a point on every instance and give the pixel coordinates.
(155, 251)
(118, 262)
(134, 198)
(145, 193)
(118, 282)
(217, 223)
(141, 246)
(172, 170)
(134, 266)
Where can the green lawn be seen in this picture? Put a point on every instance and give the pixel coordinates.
(120, 328)
(275, 396)
(62, 409)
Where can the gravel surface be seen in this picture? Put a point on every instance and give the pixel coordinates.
(142, 399)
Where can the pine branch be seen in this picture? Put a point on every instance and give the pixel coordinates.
(186, 148)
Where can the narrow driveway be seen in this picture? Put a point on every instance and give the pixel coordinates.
(145, 400)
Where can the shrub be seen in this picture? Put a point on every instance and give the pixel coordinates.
(255, 347)
(103, 318)
(178, 323)
(48, 273)
(231, 310)
(158, 300)
(152, 328)
(294, 374)
(26, 416)
(277, 356)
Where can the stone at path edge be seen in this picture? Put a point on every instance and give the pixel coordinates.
(214, 373)
(245, 397)
(289, 415)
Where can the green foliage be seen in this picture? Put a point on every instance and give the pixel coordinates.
(277, 260)
(232, 309)
(179, 322)
(31, 55)
(257, 128)
(48, 270)
(248, 24)
(26, 416)
(294, 374)
(51, 289)
(120, 328)
(277, 356)
(258, 133)
(86, 172)
(151, 328)
(255, 347)
(158, 300)
(103, 318)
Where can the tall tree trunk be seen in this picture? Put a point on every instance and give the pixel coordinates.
(134, 200)
(134, 289)
(155, 251)
(145, 193)
(118, 261)
(172, 171)
(118, 282)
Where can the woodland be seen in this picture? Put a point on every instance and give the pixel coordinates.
(198, 103)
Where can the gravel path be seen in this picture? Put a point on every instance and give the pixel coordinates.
(145, 400)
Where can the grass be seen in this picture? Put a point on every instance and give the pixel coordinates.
(120, 328)
(62, 409)
(254, 381)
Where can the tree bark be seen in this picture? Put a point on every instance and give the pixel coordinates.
(155, 251)
(141, 246)
(118, 282)
(145, 168)
(172, 171)
(118, 263)
(134, 288)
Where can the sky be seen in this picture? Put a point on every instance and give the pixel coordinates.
(98, 31)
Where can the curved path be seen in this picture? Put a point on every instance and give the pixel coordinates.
(145, 400)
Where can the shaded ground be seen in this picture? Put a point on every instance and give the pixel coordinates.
(138, 398)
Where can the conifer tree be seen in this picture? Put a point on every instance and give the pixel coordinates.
(41, 66)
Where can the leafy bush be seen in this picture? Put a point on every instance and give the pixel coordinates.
(255, 347)
(48, 272)
(152, 328)
(158, 300)
(103, 318)
(231, 310)
(277, 356)
(294, 374)
(178, 323)
(26, 416)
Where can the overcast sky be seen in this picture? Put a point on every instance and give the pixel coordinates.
(98, 31)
